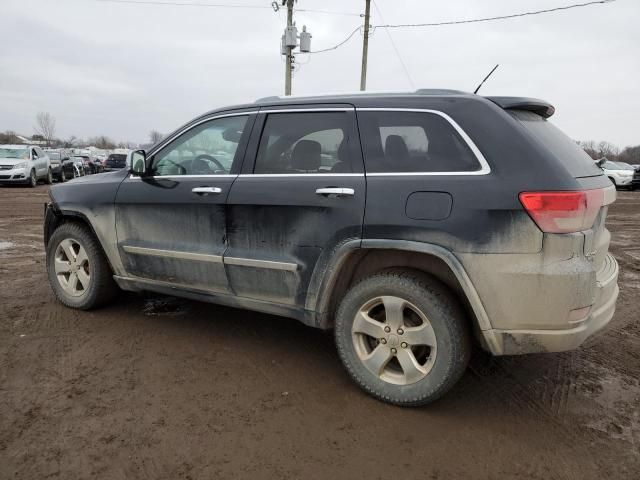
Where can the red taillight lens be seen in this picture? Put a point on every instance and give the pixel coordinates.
(563, 212)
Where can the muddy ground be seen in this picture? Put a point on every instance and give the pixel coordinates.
(159, 388)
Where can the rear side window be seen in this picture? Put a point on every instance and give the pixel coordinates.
(304, 143)
(418, 142)
(576, 161)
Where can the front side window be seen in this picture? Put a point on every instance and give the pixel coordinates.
(208, 149)
(307, 142)
(34, 154)
(413, 142)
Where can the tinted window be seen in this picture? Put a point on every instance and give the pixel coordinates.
(117, 160)
(413, 142)
(208, 149)
(574, 158)
(304, 143)
(54, 155)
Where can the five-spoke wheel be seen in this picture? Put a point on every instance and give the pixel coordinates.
(394, 340)
(72, 267)
(402, 336)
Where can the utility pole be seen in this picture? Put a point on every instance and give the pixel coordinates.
(289, 56)
(365, 46)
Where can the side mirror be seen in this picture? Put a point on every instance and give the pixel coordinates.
(137, 162)
(601, 162)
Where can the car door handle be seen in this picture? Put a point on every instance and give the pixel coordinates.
(336, 191)
(205, 190)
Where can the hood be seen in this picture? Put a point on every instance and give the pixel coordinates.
(11, 161)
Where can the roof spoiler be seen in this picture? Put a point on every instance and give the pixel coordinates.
(542, 108)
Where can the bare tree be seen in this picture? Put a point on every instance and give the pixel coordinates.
(155, 136)
(608, 150)
(46, 126)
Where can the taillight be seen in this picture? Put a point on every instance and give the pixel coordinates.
(563, 212)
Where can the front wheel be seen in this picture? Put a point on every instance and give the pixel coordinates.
(78, 271)
(402, 337)
(63, 177)
(33, 179)
(49, 178)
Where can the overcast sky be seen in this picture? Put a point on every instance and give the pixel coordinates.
(124, 69)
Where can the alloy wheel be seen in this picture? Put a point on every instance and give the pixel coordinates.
(394, 340)
(72, 267)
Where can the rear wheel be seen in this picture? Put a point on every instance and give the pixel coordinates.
(78, 271)
(49, 178)
(62, 177)
(402, 337)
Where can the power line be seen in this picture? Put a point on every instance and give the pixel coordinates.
(395, 48)
(154, 2)
(225, 5)
(339, 44)
(461, 22)
(501, 17)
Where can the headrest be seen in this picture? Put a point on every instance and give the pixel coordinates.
(306, 155)
(395, 149)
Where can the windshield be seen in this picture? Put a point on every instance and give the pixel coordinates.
(53, 155)
(577, 162)
(14, 153)
(624, 166)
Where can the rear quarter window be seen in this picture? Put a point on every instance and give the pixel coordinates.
(567, 151)
(420, 142)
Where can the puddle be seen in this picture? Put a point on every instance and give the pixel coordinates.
(6, 245)
(163, 307)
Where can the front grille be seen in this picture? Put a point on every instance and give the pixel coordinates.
(636, 178)
(6, 167)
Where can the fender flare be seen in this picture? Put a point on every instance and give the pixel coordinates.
(340, 256)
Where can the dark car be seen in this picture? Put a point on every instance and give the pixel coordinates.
(62, 169)
(115, 161)
(412, 225)
(90, 165)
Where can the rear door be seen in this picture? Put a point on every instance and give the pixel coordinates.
(300, 195)
(171, 225)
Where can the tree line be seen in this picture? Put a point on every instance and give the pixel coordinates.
(45, 131)
(598, 150)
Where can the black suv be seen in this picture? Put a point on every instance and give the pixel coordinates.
(411, 224)
(115, 161)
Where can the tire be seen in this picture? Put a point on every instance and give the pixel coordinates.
(62, 177)
(424, 302)
(99, 288)
(49, 178)
(33, 179)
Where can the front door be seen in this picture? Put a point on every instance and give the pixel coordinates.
(301, 196)
(171, 223)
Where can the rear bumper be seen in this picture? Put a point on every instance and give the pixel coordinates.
(515, 342)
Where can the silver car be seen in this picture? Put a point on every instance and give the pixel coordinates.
(24, 164)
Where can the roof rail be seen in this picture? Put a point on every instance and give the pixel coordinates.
(421, 91)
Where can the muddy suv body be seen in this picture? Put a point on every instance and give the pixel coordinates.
(411, 224)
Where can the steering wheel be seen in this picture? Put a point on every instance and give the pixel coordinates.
(199, 166)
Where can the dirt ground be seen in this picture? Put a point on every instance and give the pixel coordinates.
(159, 388)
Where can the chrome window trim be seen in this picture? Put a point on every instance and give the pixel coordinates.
(250, 262)
(485, 169)
(213, 116)
(155, 252)
(303, 110)
(177, 177)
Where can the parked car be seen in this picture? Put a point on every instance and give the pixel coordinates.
(24, 164)
(89, 165)
(621, 174)
(60, 171)
(412, 225)
(115, 161)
